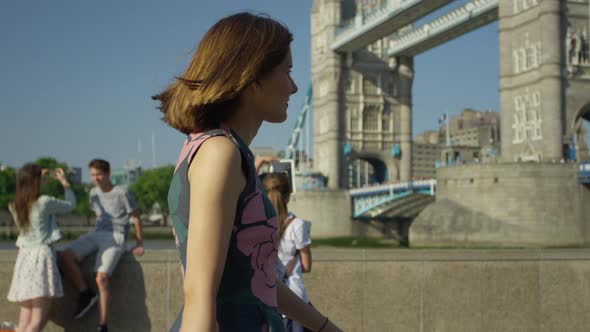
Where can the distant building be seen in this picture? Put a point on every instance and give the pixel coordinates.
(474, 136)
(127, 175)
(473, 128)
(429, 137)
(424, 157)
(75, 175)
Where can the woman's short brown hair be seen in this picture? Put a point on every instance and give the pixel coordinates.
(235, 52)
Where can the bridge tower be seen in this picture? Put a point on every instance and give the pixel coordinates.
(544, 76)
(362, 101)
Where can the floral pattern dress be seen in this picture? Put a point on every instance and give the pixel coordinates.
(246, 299)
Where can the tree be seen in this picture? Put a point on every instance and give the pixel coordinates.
(7, 187)
(83, 205)
(152, 187)
(52, 187)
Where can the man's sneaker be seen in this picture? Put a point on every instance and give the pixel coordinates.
(102, 328)
(87, 299)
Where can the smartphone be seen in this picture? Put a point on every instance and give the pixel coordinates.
(286, 166)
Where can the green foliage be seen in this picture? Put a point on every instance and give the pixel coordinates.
(51, 163)
(7, 187)
(152, 187)
(83, 205)
(51, 186)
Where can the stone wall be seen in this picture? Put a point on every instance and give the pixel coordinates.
(514, 204)
(329, 211)
(371, 290)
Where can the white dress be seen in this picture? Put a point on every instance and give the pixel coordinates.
(35, 275)
(35, 272)
(296, 237)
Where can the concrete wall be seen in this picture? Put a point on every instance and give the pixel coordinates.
(517, 204)
(373, 290)
(328, 211)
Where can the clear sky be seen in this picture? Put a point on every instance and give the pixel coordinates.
(76, 76)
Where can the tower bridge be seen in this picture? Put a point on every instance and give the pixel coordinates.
(363, 71)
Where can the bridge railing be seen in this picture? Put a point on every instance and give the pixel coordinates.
(395, 187)
(584, 172)
(365, 199)
(451, 19)
(385, 9)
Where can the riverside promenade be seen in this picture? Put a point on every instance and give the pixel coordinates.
(371, 290)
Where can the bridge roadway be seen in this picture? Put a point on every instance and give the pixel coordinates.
(390, 201)
(362, 30)
(451, 25)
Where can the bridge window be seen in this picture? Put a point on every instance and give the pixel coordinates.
(355, 124)
(370, 85)
(371, 118)
(536, 98)
(522, 60)
(522, 5)
(386, 121)
(516, 62)
(537, 134)
(527, 117)
(390, 86)
(530, 57)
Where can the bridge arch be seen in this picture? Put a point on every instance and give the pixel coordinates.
(581, 120)
(370, 170)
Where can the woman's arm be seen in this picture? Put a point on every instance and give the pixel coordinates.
(293, 307)
(54, 205)
(305, 255)
(263, 160)
(216, 181)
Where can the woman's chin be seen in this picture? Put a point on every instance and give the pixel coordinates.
(278, 119)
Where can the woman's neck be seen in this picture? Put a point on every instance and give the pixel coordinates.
(245, 126)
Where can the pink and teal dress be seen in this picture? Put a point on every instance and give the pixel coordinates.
(246, 299)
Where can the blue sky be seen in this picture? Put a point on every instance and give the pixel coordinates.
(77, 76)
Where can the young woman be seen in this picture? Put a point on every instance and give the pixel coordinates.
(225, 226)
(295, 243)
(36, 279)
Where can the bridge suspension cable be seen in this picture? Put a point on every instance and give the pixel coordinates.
(296, 139)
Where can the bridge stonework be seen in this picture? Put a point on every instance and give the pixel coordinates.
(361, 99)
(508, 204)
(544, 76)
(363, 108)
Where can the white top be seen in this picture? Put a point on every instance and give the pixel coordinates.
(296, 237)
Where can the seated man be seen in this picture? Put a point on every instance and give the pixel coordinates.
(114, 207)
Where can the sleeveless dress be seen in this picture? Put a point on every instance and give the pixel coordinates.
(246, 299)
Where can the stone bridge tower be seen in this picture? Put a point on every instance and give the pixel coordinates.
(362, 101)
(544, 78)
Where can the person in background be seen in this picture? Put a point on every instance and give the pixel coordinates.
(36, 280)
(295, 242)
(114, 207)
